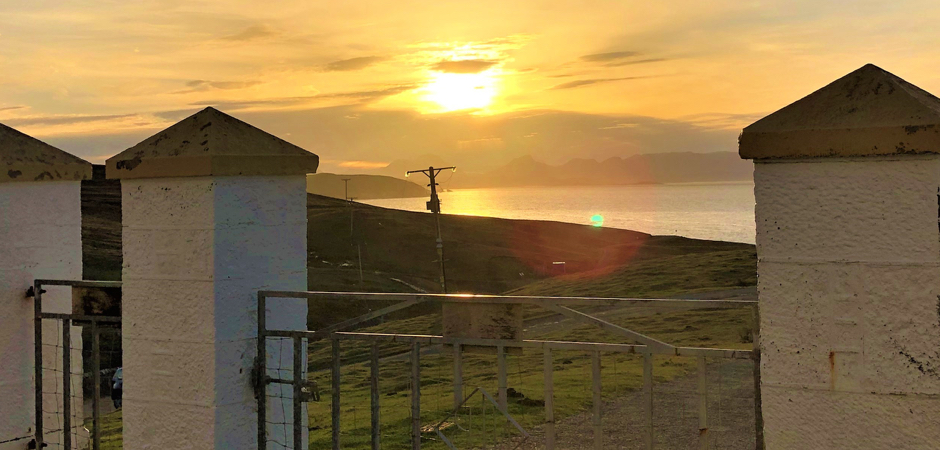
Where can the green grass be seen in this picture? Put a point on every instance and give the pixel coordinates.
(621, 373)
(484, 255)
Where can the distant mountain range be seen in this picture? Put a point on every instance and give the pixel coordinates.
(686, 167)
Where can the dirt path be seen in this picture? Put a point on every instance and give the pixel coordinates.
(675, 416)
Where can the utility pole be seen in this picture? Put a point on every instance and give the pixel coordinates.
(435, 207)
(346, 183)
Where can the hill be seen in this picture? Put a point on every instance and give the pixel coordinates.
(363, 187)
(685, 167)
(482, 255)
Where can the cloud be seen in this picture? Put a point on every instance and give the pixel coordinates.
(638, 61)
(611, 56)
(63, 119)
(11, 108)
(359, 63)
(251, 33)
(579, 83)
(464, 66)
(363, 96)
(206, 85)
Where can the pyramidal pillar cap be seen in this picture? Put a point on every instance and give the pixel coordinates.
(26, 159)
(211, 143)
(869, 112)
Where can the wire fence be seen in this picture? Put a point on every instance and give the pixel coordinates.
(548, 393)
(76, 354)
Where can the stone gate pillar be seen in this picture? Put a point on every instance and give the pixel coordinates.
(847, 183)
(40, 237)
(214, 210)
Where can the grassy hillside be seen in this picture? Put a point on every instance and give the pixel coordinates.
(482, 255)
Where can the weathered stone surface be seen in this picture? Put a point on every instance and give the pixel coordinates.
(196, 252)
(40, 237)
(849, 278)
(27, 159)
(211, 143)
(867, 112)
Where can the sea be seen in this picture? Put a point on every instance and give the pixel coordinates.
(713, 211)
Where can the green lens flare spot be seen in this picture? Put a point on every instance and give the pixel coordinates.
(597, 220)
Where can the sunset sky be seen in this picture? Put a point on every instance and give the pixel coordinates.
(363, 83)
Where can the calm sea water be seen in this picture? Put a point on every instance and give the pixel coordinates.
(723, 212)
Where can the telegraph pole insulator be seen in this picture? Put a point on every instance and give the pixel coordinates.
(434, 205)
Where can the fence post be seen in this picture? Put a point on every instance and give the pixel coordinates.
(649, 434)
(458, 375)
(596, 385)
(416, 396)
(40, 238)
(335, 386)
(703, 403)
(547, 368)
(501, 378)
(374, 390)
(213, 210)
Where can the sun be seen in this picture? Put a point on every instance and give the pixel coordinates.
(457, 91)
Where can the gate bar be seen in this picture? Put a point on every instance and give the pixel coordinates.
(96, 379)
(547, 363)
(458, 375)
(37, 362)
(262, 368)
(67, 385)
(703, 404)
(299, 379)
(648, 398)
(334, 406)
(374, 389)
(416, 396)
(501, 375)
(598, 424)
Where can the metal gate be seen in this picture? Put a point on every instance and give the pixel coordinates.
(646, 348)
(77, 354)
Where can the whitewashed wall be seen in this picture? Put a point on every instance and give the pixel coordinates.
(40, 237)
(849, 285)
(196, 251)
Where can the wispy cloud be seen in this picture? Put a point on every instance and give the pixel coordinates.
(251, 33)
(610, 56)
(580, 83)
(206, 85)
(11, 108)
(464, 66)
(637, 61)
(362, 96)
(359, 63)
(66, 119)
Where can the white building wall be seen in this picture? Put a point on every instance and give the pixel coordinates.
(849, 286)
(196, 252)
(40, 237)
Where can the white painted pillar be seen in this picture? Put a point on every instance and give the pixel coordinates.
(847, 184)
(40, 237)
(207, 223)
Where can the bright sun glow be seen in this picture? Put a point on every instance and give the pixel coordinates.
(456, 91)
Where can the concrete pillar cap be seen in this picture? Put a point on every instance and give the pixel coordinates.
(869, 112)
(211, 143)
(25, 158)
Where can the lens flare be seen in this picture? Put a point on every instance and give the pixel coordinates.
(597, 220)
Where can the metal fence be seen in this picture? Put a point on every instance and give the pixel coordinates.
(76, 357)
(658, 395)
